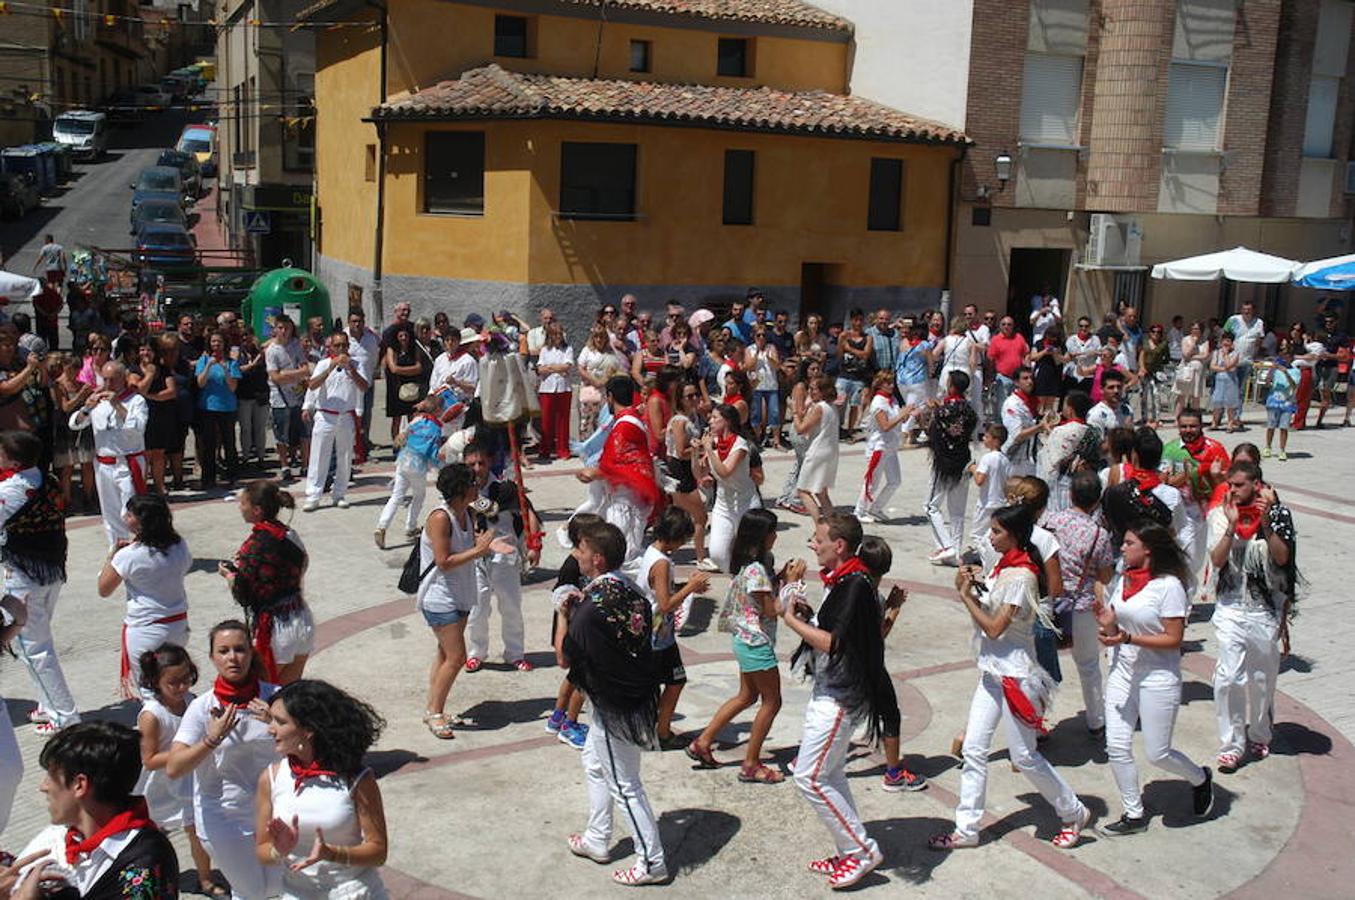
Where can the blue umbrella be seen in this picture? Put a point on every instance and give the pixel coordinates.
(1334, 274)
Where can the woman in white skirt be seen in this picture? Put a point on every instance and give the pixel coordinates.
(152, 566)
(167, 678)
(884, 439)
(223, 742)
(319, 812)
(819, 424)
(726, 453)
(1143, 622)
(1190, 372)
(809, 371)
(1012, 689)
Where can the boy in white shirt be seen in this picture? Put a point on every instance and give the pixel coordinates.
(990, 476)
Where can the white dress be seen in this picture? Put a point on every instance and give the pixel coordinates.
(324, 802)
(170, 799)
(735, 496)
(819, 471)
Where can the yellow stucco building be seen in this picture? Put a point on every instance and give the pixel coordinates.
(473, 156)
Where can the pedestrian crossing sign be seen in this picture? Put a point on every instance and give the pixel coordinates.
(258, 222)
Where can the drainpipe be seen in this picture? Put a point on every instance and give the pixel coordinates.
(951, 220)
(378, 243)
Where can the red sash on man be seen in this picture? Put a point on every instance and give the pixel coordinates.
(135, 461)
(626, 460)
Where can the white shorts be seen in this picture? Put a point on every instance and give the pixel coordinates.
(293, 636)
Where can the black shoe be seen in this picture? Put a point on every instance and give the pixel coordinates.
(1097, 734)
(674, 741)
(1202, 795)
(1126, 826)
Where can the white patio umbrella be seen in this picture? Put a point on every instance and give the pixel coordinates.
(1238, 264)
(14, 288)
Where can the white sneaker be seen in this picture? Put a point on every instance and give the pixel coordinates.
(310, 506)
(707, 565)
(867, 519)
(380, 536)
(342, 503)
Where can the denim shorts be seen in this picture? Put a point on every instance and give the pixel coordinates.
(1278, 418)
(438, 619)
(849, 391)
(287, 425)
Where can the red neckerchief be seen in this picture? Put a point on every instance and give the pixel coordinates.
(952, 397)
(934, 332)
(273, 527)
(6, 474)
(1248, 521)
(134, 816)
(1031, 403)
(1049, 344)
(240, 694)
(1134, 581)
(1195, 447)
(1015, 558)
(724, 444)
(1147, 479)
(302, 771)
(845, 568)
(431, 418)
(124, 395)
(731, 399)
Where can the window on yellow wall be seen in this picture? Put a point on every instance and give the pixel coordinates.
(597, 181)
(511, 37)
(454, 172)
(639, 56)
(734, 58)
(886, 195)
(738, 196)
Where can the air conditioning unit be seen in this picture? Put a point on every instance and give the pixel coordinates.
(1350, 178)
(1113, 240)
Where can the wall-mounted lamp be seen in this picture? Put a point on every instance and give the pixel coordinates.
(1002, 163)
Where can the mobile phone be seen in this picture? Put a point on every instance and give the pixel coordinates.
(229, 565)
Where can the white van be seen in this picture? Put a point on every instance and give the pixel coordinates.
(85, 132)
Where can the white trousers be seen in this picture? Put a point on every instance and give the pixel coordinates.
(593, 502)
(11, 767)
(976, 395)
(502, 580)
(1244, 675)
(415, 484)
(115, 487)
(1087, 657)
(1151, 700)
(38, 649)
(140, 638)
(231, 845)
(987, 709)
(611, 769)
(983, 520)
(821, 776)
(331, 435)
(624, 510)
(724, 522)
(951, 498)
(884, 481)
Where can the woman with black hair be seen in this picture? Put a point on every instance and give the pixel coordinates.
(320, 816)
(751, 611)
(223, 742)
(726, 452)
(153, 566)
(265, 578)
(682, 434)
(447, 593)
(1012, 689)
(1143, 622)
(155, 381)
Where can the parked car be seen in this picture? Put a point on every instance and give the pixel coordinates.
(158, 212)
(157, 183)
(200, 140)
(152, 96)
(165, 247)
(84, 131)
(125, 108)
(18, 194)
(177, 88)
(189, 170)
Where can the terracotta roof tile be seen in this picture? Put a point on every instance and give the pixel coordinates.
(772, 12)
(492, 92)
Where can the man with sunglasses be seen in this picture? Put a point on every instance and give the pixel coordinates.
(673, 313)
(1083, 348)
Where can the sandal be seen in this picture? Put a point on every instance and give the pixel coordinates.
(639, 874)
(702, 756)
(1070, 835)
(951, 841)
(439, 726)
(522, 665)
(760, 774)
(212, 889)
(474, 663)
(578, 847)
(1228, 762)
(826, 866)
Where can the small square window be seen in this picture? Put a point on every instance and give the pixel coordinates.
(639, 56)
(732, 58)
(510, 36)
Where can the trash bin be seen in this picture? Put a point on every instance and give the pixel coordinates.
(28, 158)
(293, 291)
(61, 158)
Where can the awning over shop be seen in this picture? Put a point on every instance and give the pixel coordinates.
(1238, 264)
(1334, 274)
(14, 288)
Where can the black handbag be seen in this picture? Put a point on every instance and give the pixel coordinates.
(410, 576)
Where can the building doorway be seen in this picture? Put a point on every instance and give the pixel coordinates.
(1034, 270)
(817, 287)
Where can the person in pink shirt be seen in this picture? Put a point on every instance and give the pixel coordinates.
(1007, 349)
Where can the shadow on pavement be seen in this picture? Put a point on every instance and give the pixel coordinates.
(691, 837)
(1070, 744)
(698, 620)
(1296, 663)
(1040, 814)
(1173, 798)
(903, 842)
(491, 715)
(388, 762)
(1196, 691)
(1293, 739)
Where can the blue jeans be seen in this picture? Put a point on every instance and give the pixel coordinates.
(773, 401)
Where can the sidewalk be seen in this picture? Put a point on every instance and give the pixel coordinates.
(208, 230)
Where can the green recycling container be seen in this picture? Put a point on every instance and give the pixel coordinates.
(295, 292)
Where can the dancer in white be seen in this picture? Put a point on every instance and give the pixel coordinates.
(118, 416)
(1251, 544)
(13, 614)
(884, 439)
(1012, 688)
(223, 742)
(627, 468)
(420, 443)
(726, 455)
(948, 437)
(320, 807)
(990, 476)
(34, 555)
(333, 399)
(1025, 426)
(1143, 622)
(819, 424)
(1071, 445)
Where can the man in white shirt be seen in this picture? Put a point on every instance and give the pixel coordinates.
(1248, 330)
(118, 416)
(365, 351)
(1023, 424)
(1112, 411)
(333, 404)
(980, 334)
(1044, 313)
(459, 369)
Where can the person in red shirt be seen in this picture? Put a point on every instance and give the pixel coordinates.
(47, 310)
(1008, 350)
